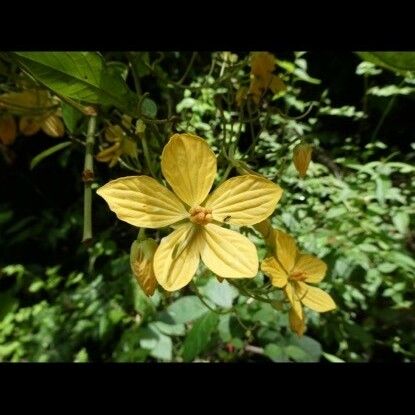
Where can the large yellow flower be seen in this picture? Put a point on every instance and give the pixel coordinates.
(291, 270)
(189, 167)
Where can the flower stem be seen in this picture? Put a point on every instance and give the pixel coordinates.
(88, 178)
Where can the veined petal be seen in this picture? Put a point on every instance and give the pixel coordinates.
(189, 166)
(142, 201)
(274, 271)
(228, 253)
(314, 298)
(244, 200)
(314, 269)
(292, 296)
(285, 249)
(177, 258)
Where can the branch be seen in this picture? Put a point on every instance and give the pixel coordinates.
(88, 178)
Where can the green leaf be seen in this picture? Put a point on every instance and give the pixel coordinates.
(169, 329)
(275, 353)
(332, 358)
(221, 293)
(310, 346)
(48, 152)
(296, 353)
(400, 62)
(186, 309)
(401, 222)
(7, 304)
(71, 117)
(82, 76)
(199, 336)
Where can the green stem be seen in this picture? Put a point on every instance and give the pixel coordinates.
(88, 178)
(385, 114)
(147, 154)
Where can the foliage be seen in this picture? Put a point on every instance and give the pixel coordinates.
(61, 300)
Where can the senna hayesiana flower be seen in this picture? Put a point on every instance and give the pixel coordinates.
(293, 271)
(37, 111)
(262, 78)
(189, 167)
(123, 145)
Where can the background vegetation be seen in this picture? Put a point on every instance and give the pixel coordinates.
(64, 300)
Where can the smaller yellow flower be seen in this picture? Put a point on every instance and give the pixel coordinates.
(37, 110)
(7, 129)
(293, 271)
(123, 145)
(262, 78)
(302, 157)
(141, 261)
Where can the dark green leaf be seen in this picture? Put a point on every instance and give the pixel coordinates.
(199, 336)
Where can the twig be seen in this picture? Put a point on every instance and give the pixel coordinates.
(88, 178)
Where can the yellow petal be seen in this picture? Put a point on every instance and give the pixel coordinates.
(297, 324)
(141, 261)
(228, 253)
(274, 271)
(244, 200)
(312, 268)
(177, 258)
(142, 201)
(314, 298)
(292, 296)
(189, 166)
(286, 249)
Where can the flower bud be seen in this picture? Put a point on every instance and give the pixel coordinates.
(29, 125)
(141, 261)
(53, 126)
(7, 129)
(302, 157)
(297, 324)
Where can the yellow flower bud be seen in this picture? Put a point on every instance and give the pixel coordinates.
(141, 261)
(302, 157)
(7, 129)
(297, 324)
(29, 125)
(53, 126)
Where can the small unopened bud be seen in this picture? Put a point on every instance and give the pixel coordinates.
(141, 261)
(7, 129)
(53, 126)
(302, 157)
(296, 323)
(29, 125)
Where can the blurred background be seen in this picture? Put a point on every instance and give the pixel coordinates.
(63, 301)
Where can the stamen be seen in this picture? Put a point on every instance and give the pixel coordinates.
(200, 215)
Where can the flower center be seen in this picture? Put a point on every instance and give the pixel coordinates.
(200, 215)
(298, 276)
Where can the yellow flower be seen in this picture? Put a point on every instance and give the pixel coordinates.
(189, 167)
(122, 145)
(37, 110)
(302, 157)
(262, 78)
(141, 261)
(291, 270)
